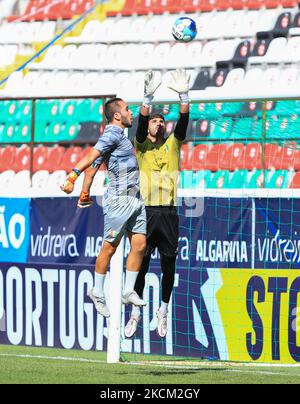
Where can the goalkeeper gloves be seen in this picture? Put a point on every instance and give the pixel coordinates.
(68, 185)
(150, 86)
(180, 82)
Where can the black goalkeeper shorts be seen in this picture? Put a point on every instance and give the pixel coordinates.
(162, 229)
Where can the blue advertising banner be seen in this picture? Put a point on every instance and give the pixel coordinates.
(277, 233)
(223, 306)
(61, 232)
(14, 229)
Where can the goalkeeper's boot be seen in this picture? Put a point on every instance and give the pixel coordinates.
(133, 298)
(100, 304)
(131, 326)
(162, 323)
(84, 201)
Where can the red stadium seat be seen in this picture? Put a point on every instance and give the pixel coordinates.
(185, 157)
(199, 157)
(22, 159)
(295, 183)
(48, 10)
(55, 156)
(271, 156)
(234, 159)
(286, 159)
(253, 156)
(7, 158)
(70, 158)
(40, 158)
(215, 156)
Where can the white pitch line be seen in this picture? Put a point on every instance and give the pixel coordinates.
(144, 364)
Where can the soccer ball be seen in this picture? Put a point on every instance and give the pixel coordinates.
(184, 29)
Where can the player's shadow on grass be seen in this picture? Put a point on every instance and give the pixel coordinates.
(173, 372)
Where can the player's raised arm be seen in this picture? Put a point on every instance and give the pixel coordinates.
(181, 84)
(151, 84)
(83, 164)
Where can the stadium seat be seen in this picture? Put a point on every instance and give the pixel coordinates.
(187, 179)
(238, 179)
(219, 180)
(22, 159)
(234, 158)
(253, 156)
(40, 157)
(295, 182)
(215, 156)
(56, 179)
(279, 179)
(275, 53)
(55, 156)
(185, 156)
(7, 158)
(257, 179)
(199, 157)
(201, 179)
(40, 180)
(6, 181)
(221, 128)
(272, 152)
(70, 159)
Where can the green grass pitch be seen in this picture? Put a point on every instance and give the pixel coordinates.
(25, 365)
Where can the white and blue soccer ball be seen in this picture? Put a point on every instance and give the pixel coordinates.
(184, 29)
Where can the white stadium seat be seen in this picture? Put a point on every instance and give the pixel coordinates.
(6, 180)
(275, 53)
(40, 181)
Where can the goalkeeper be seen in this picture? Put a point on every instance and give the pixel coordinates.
(158, 157)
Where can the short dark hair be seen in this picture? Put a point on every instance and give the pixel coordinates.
(111, 107)
(156, 115)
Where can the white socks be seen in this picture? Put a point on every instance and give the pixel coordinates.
(164, 308)
(136, 311)
(130, 281)
(99, 285)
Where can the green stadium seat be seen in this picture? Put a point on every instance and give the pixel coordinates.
(242, 128)
(53, 132)
(83, 110)
(239, 179)
(24, 111)
(202, 179)
(195, 179)
(68, 112)
(47, 110)
(221, 128)
(219, 180)
(286, 108)
(256, 179)
(8, 111)
(23, 132)
(8, 133)
(97, 111)
(40, 131)
(69, 131)
(186, 179)
(279, 179)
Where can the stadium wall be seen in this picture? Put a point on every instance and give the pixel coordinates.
(236, 295)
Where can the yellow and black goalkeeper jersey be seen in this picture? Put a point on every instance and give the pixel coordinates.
(159, 164)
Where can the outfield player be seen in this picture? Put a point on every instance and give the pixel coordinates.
(124, 210)
(158, 159)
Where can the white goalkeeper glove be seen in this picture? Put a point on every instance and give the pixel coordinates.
(180, 82)
(151, 84)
